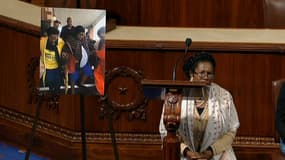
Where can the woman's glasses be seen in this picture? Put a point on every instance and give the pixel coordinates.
(205, 74)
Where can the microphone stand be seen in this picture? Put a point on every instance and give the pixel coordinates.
(188, 42)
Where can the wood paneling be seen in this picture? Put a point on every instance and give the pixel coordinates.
(61, 3)
(274, 14)
(205, 13)
(245, 70)
(127, 12)
(247, 76)
(183, 13)
(248, 153)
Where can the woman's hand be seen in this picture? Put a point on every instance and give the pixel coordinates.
(194, 155)
(206, 155)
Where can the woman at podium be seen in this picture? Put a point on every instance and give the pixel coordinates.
(208, 123)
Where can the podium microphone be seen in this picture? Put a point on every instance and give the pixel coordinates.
(188, 42)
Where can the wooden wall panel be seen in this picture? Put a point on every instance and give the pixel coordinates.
(13, 68)
(183, 13)
(51, 3)
(206, 13)
(274, 14)
(245, 70)
(247, 76)
(251, 79)
(61, 3)
(36, 2)
(127, 12)
(243, 13)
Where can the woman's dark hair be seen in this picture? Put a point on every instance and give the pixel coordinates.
(192, 62)
(101, 31)
(52, 30)
(78, 29)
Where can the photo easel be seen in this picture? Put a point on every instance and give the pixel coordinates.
(40, 100)
(42, 96)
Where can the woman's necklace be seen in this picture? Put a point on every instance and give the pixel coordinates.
(200, 103)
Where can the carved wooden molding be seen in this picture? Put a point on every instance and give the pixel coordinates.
(74, 136)
(256, 141)
(197, 46)
(172, 112)
(125, 93)
(171, 120)
(121, 138)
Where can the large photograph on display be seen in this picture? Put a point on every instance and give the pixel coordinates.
(72, 48)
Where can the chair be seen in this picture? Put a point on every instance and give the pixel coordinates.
(276, 86)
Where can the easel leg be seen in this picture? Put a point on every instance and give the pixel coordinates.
(83, 130)
(112, 131)
(113, 136)
(39, 105)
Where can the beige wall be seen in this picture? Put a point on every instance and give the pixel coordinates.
(20, 11)
(218, 35)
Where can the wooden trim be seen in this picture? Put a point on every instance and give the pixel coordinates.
(171, 83)
(159, 45)
(20, 26)
(75, 136)
(71, 136)
(256, 142)
(196, 46)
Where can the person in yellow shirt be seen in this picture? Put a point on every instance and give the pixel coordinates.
(51, 47)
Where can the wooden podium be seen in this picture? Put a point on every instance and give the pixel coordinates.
(174, 90)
